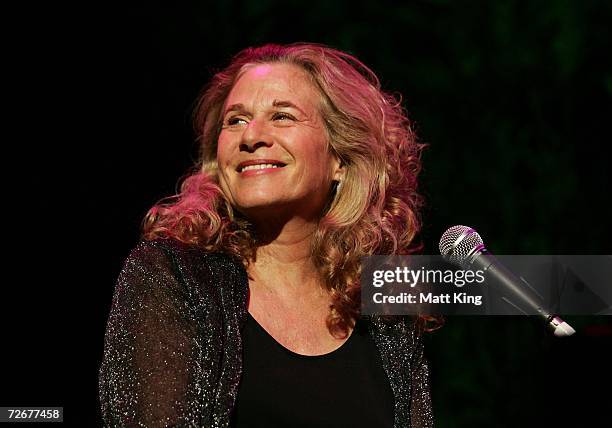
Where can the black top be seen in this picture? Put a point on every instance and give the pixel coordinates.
(280, 388)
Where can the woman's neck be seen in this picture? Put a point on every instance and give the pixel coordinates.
(283, 263)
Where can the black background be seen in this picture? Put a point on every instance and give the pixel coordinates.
(513, 98)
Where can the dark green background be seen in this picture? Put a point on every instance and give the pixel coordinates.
(512, 97)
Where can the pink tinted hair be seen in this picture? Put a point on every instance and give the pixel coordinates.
(374, 211)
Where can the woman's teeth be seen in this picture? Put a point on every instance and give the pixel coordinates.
(260, 166)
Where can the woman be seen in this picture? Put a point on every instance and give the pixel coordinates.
(241, 305)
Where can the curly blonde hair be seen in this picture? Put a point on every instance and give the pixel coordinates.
(375, 211)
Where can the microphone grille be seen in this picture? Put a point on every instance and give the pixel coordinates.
(458, 242)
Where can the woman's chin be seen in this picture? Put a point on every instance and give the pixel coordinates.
(259, 208)
(278, 211)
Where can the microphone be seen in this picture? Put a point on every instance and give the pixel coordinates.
(463, 246)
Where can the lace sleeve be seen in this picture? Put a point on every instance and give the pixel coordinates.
(146, 377)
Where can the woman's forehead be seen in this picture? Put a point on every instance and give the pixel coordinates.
(265, 83)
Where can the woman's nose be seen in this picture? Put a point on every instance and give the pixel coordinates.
(254, 137)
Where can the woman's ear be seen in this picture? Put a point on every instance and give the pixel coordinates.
(338, 166)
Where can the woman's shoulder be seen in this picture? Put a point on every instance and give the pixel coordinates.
(397, 326)
(169, 251)
(187, 264)
(398, 337)
(166, 271)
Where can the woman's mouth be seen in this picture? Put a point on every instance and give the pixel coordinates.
(258, 165)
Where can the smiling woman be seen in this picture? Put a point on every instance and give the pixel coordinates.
(240, 306)
(273, 120)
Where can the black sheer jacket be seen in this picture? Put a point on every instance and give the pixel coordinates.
(173, 346)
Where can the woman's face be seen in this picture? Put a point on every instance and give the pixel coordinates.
(272, 153)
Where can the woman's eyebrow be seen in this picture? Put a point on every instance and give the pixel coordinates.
(284, 103)
(276, 103)
(234, 107)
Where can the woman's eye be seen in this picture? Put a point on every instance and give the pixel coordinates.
(235, 121)
(282, 116)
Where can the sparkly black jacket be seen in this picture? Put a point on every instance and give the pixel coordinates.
(173, 348)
